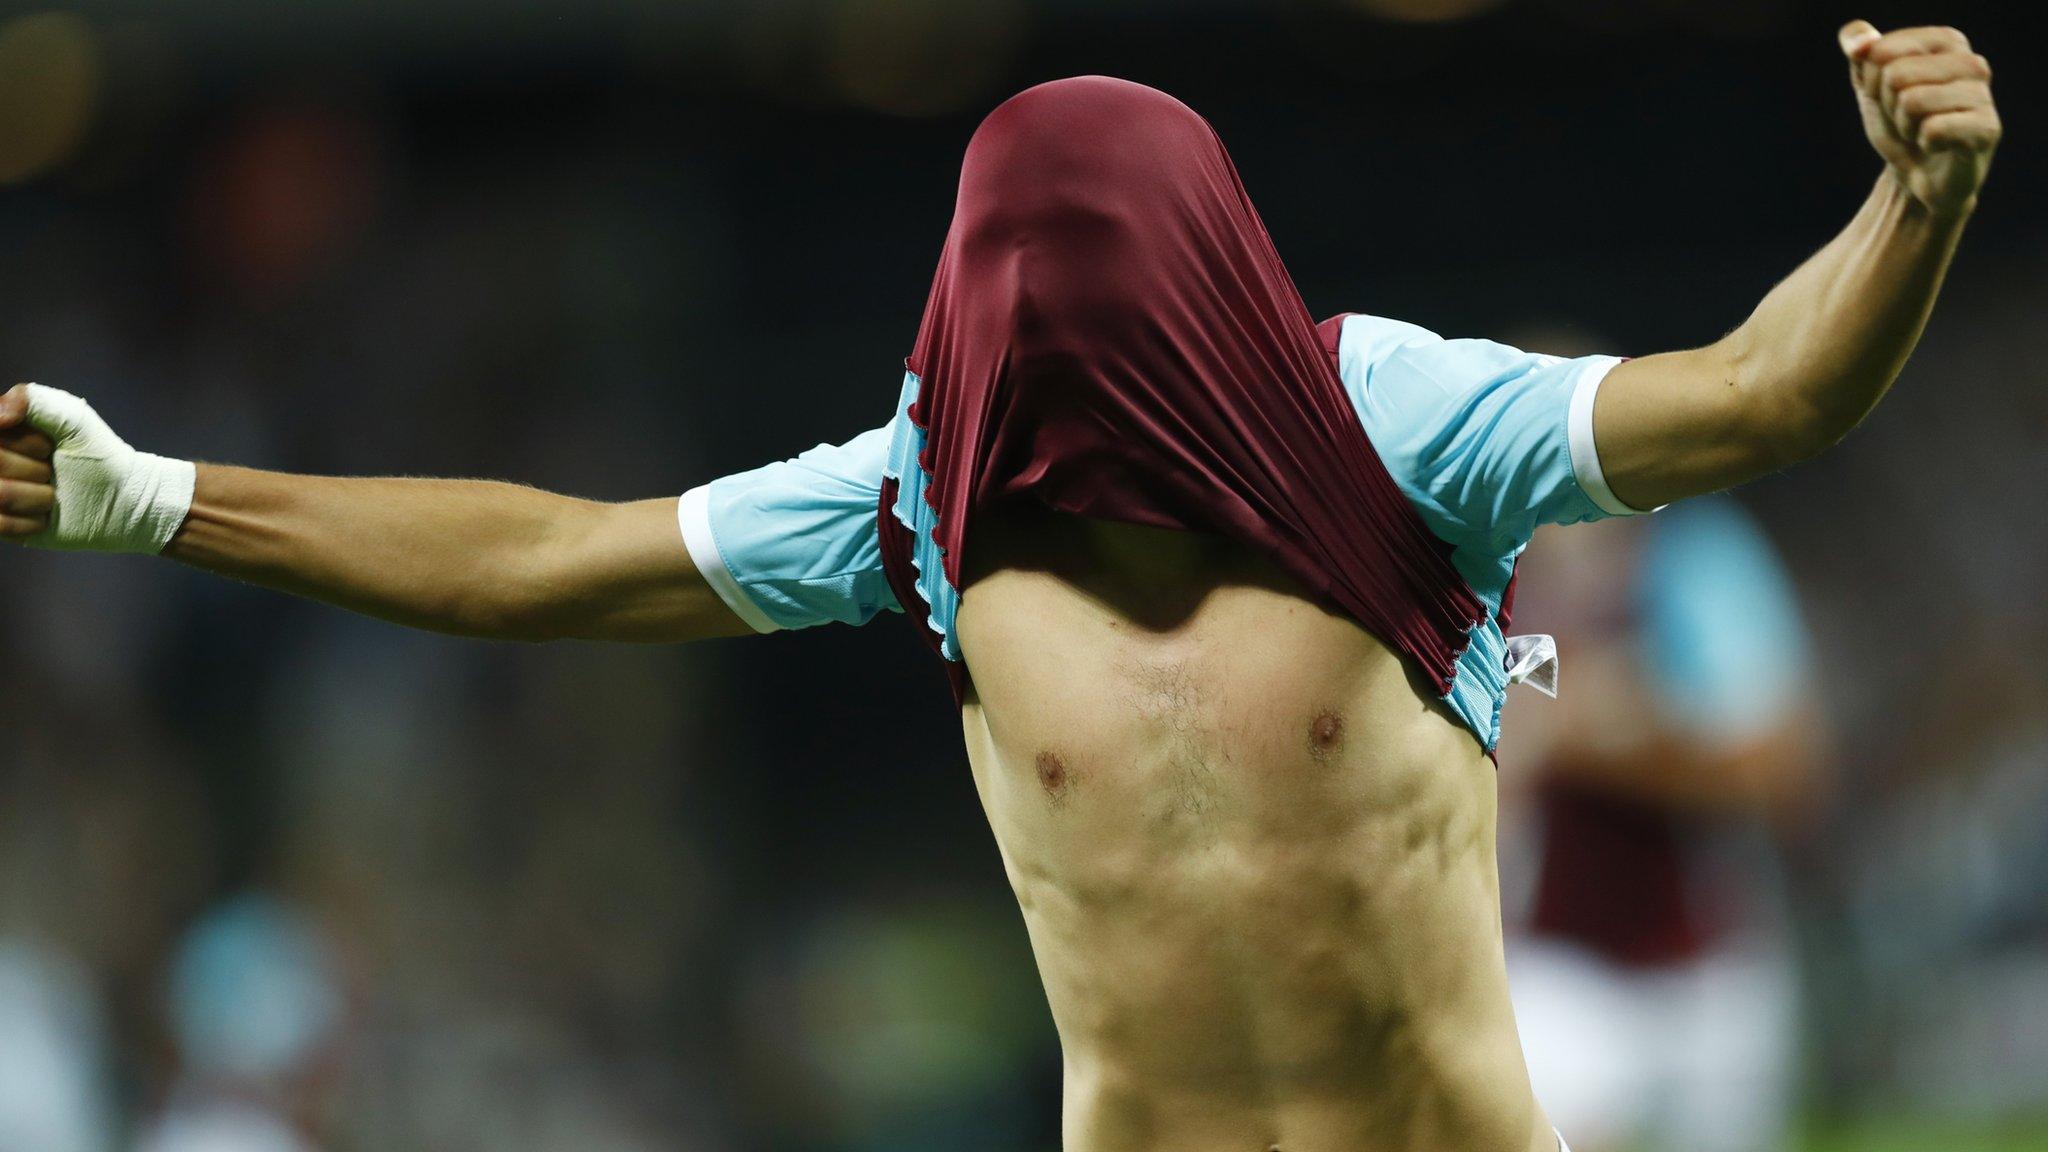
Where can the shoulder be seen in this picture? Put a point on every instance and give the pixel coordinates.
(1396, 370)
(1359, 342)
(1487, 440)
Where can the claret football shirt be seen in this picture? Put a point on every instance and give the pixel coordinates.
(1487, 442)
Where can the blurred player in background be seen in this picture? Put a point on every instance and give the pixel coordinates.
(1222, 592)
(257, 1013)
(1653, 984)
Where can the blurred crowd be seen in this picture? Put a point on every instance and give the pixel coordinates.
(277, 878)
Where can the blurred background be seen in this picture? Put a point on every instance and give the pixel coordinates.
(275, 878)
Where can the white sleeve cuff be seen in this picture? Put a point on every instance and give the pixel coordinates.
(693, 512)
(1585, 454)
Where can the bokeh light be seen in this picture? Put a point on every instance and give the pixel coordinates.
(49, 87)
(287, 193)
(921, 57)
(1426, 11)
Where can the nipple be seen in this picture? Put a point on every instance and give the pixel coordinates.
(1054, 777)
(1325, 733)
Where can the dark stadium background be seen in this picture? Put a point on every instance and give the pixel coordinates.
(741, 895)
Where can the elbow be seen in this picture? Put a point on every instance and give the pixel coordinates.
(518, 604)
(528, 591)
(1791, 432)
(530, 630)
(1784, 426)
(1787, 416)
(499, 617)
(528, 616)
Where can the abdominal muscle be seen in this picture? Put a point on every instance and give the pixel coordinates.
(1255, 861)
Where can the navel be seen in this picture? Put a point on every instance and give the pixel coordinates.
(1055, 777)
(1325, 733)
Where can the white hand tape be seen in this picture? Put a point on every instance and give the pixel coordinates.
(110, 498)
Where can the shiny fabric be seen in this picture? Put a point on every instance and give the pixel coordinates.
(1111, 334)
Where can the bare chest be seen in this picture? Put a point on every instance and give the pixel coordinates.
(1256, 724)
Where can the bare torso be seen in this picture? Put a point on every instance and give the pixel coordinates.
(1256, 864)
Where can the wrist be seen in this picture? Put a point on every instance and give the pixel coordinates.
(1911, 207)
(163, 490)
(216, 525)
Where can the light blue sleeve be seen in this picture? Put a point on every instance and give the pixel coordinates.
(794, 544)
(1487, 441)
(1728, 650)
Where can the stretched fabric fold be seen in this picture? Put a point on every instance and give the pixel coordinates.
(1110, 333)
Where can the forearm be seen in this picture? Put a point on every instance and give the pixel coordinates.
(473, 558)
(1804, 369)
(1821, 350)
(1824, 346)
(1773, 774)
(1613, 731)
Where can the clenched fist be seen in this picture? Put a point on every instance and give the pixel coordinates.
(1927, 108)
(68, 482)
(27, 481)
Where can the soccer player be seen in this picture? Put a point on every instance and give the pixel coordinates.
(1651, 968)
(1222, 592)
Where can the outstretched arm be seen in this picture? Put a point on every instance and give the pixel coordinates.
(468, 557)
(1823, 347)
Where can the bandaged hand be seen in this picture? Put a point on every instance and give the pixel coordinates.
(67, 482)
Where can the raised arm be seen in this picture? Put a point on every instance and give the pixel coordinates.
(1821, 350)
(469, 557)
